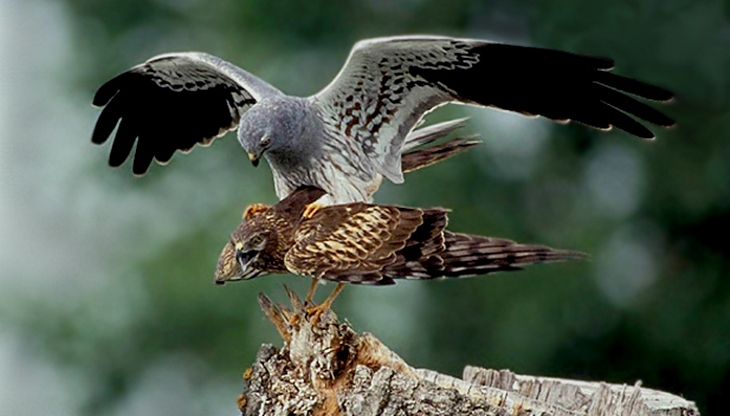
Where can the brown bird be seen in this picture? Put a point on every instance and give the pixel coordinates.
(364, 244)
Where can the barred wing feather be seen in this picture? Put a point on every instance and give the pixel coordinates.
(388, 84)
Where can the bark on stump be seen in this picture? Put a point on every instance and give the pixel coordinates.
(326, 368)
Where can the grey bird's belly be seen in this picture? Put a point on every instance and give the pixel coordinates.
(344, 181)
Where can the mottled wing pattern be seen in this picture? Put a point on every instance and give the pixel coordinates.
(388, 84)
(352, 242)
(173, 102)
(421, 257)
(376, 101)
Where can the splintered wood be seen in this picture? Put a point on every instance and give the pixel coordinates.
(326, 368)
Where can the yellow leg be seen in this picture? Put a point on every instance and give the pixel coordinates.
(311, 209)
(331, 298)
(310, 292)
(318, 310)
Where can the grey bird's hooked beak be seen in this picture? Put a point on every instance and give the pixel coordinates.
(254, 158)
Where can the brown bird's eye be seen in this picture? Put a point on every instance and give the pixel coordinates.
(265, 141)
(257, 239)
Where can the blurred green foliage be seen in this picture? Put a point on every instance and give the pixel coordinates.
(653, 303)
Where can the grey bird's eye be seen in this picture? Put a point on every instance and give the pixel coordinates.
(265, 141)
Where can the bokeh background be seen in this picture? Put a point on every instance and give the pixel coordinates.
(107, 303)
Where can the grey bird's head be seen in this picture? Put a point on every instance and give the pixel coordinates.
(272, 127)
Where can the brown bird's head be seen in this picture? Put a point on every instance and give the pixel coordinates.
(248, 251)
(260, 243)
(256, 246)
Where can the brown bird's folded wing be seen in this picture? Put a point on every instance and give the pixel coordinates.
(352, 243)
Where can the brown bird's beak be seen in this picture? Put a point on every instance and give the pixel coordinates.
(235, 264)
(254, 158)
(244, 259)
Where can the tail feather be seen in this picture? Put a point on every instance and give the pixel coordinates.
(468, 255)
(416, 159)
(430, 134)
(463, 255)
(422, 158)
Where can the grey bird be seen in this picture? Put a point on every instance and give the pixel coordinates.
(350, 135)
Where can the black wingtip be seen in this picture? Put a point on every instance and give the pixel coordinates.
(142, 158)
(656, 93)
(644, 134)
(102, 130)
(106, 123)
(107, 91)
(602, 63)
(634, 87)
(138, 170)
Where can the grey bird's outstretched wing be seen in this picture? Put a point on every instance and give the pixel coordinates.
(173, 102)
(388, 84)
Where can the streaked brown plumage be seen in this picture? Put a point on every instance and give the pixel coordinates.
(365, 244)
(417, 156)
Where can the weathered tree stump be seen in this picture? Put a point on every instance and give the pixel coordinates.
(326, 368)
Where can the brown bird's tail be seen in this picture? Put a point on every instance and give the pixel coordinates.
(469, 255)
(432, 252)
(420, 158)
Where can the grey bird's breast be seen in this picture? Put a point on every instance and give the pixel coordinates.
(332, 171)
(315, 156)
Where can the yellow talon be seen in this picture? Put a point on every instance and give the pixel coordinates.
(315, 312)
(312, 209)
